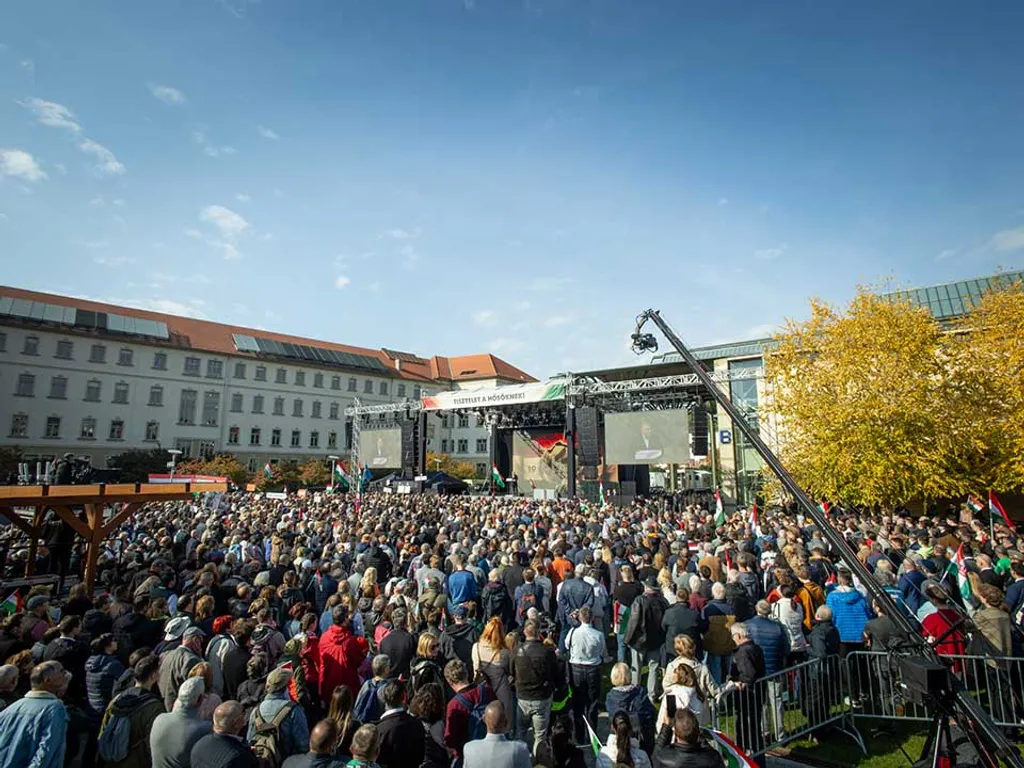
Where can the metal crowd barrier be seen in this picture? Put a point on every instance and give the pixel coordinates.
(788, 705)
(995, 682)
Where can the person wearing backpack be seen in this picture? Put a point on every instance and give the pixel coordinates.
(464, 715)
(529, 595)
(369, 707)
(35, 727)
(125, 730)
(277, 727)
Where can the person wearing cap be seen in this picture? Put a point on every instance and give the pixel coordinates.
(173, 631)
(175, 733)
(178, 662)
(35, 727)
(37, 619)
(293, 729)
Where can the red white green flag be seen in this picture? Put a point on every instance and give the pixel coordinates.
(734, 756)
(998, 512)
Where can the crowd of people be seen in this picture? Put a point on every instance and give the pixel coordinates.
(424, 632)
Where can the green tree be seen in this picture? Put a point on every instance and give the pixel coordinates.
(443, 462)
(314, 472)
(137, 466)
(221, 465)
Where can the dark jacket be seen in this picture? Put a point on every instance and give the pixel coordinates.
(219, 751)
(823, 640)
(771, 638)
(457, 643)
(402, 741)
(633, 700)
(101, 673)
(435, 753)
(751, 583)
(645, 632)
(400, 647)
(133, 631)
(573, 595)
(680, 619)
(72, 655)
(738, 599)
(747, 664)
(669, 755)
(496, 601)
(536, 671)
(141, 708)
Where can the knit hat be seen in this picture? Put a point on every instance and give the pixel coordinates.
(278, 680)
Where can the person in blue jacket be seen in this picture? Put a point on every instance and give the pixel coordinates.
(850, 614)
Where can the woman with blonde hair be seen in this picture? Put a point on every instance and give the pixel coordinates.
(368, 586)
(493, 663)
(686, 655)
(684, 688)
(668, 589)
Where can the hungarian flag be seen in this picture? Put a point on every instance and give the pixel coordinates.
(958, 567)
(755, 520)
(496, 477)
(595, 743)
(824, 506)
(728, 561)
(338, 475)
(998, 513)
(268, 471)
(12, 604)
(719, 509)
(733, 756)
(975, 504)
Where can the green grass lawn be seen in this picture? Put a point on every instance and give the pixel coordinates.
(839, 749)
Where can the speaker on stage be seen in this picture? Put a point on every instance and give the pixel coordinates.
(408, 448)
(587, 437)
(700, 430)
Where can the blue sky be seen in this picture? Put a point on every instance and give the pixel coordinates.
(458, 176)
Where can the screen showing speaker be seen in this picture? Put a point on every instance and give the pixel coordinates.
(381, 448)
(647, 437)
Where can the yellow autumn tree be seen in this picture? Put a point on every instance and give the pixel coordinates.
(856, 393)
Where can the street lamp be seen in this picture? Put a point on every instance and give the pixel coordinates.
(334, 462)
(175, 453)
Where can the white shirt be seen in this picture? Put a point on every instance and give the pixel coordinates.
(585, 645)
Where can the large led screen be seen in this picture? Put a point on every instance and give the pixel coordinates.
(381, 448)
(647, 437)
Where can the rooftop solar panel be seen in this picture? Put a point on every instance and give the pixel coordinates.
(38, 309)
(5, 305)
(53, 313)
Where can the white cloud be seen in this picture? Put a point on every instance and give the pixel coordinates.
(28, 65)
(723, 201)
(485, 317)
(165, 306)
(210, 149)
(341, 281)
(113, 261)
(767, 254)
(548, 283)
(1009, 240)
(106, 163)
(267, 133)
(946, 254)
(401, 234)
(167, 94)
(19, 164)
(410, 256)
(4, 217)
(96, 244)
(229, 223)
(52, 114)
(555, 321)
(242, 197)
(506, 346)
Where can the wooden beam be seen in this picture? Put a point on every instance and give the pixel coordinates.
(33, 547)
(65, 514)
(18, 523)
(94, 513)
(127, 511)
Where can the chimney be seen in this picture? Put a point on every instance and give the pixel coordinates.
(398, 364)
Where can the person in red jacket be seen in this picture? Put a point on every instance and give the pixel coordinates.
(341, 654)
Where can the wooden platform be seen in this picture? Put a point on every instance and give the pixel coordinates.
(93, 499)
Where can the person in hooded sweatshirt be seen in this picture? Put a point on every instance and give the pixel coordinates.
(141, 705)
(633, 700)
(102, 671)
(457, 639)
(850, 613)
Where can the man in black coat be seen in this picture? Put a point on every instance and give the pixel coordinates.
(645, 633)
(679, 745)
(399, 645)
(746, 670)
(401, 734)
(496, 601)
(681, 619)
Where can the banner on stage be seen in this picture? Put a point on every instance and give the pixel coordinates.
(513, 394)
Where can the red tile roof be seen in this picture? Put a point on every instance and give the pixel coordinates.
(207, 336)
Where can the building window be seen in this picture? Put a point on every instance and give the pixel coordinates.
(401, 390)
(207, 449)
(3, 342)
(236, 403)
(152, 431)
(254, 436)
(19, 425)
(92, 390)
(743, 393)
(88, 430)
(125, 357)
(97, 353)
(318, 380)
(156, 396)
(382, 417)
(184, 445)
(64, 350)
(215, 369)
(445, 424)
(58, 387)
(296, 438)
(297, 408)
(233, 435)
(26, 385)
(463, 421)
(336, 382)
(463, 446)
(314, 439)
(117, 429)
(261, 373)
(368, 387)
(282, 376)
(315, 414)
(52, 427)
(332, 439)
(239, 370)
(187, 406)
(279, 406)
(191, 366)
(332, 411)
(121, 393)
(481, 445)
(348, 435)
(275, 437)
(444, 445)
(352, 385)
(160, 361)
(481, 470)
(300, 378)
(31, 346)
(211, 408)
(383, 388)
(254, 464)
(415, 393)
(257, 403)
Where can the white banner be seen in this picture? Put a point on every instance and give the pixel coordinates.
(513, 394)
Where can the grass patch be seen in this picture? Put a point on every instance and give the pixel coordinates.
(883, 748)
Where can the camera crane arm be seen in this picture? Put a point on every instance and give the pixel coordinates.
(997, 746)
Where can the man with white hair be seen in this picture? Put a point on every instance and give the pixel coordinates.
(8, 682)
(175, 733)
(746, 669)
